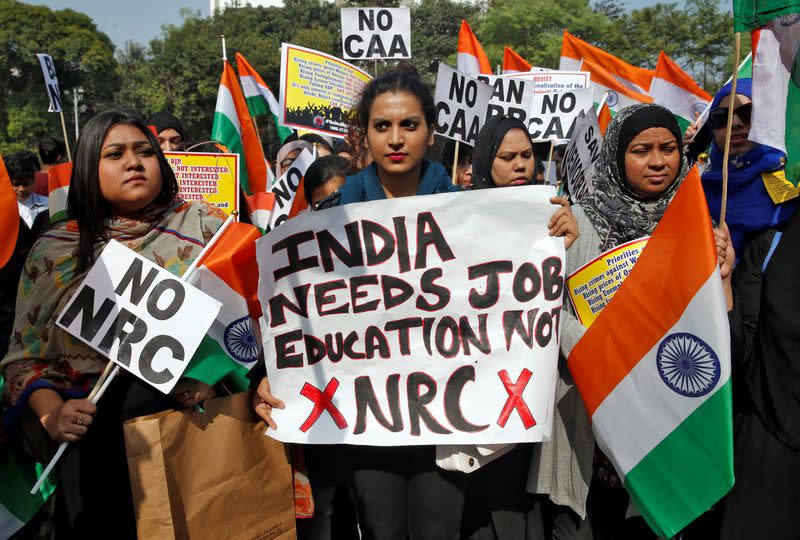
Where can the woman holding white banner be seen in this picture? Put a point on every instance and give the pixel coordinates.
(638, 172)
(122, 188)
(399, 491)
(498, 505)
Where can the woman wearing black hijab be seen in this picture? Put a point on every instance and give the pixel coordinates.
(640, 168)
(765, 352)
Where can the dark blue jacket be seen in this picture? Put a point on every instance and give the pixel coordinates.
(366, 186)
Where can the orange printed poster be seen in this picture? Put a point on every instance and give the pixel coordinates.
(593, 285)
(207, 176)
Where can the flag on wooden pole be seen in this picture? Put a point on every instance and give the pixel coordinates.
(260, 99)
(674, 89)
(659, 394)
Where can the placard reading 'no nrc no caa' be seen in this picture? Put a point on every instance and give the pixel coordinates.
(385, 325)
(139, 315)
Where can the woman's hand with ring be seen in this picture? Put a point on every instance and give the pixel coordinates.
(70, 421)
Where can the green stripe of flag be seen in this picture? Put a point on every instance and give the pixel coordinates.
(210, 364)
(19, 473)
(689, 471)
(257, 105)
(793, 126)
(224, 131)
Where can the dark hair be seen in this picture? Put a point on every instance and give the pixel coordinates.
(313, 138)
(21, 165)
(449, 152)
(322, 170)
(51, 150)
(403, 78)
(85, 202)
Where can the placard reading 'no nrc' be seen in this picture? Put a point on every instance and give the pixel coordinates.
(139, 315)
(389, 323)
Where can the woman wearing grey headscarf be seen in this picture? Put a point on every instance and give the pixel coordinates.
(639, 171)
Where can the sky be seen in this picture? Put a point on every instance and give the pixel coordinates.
(141, 20)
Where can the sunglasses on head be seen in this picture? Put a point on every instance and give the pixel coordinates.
(718, 118)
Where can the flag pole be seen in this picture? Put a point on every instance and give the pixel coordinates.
(727, 150)
(602, 102)
(455, 162)
(549, 162)
(224, 50)
(64, 131)
(112, 370)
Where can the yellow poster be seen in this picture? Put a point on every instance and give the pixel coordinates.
(318, 90)
(592, 286)
(206, 176)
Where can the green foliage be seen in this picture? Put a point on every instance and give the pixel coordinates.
(180, 70)
(83, 57)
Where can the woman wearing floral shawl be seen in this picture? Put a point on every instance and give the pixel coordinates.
(122, 188)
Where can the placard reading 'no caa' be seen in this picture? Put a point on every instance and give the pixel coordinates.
(376, 33)
(139, 315)
(400, 322)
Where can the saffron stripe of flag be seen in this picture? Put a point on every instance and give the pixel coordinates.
(674, 89)
(659, 396)
(58, 186)
(513, 62)
(619, 96)
(259, 97)
(233, 127)
(471, 58)
(573, 50)
(9, 216)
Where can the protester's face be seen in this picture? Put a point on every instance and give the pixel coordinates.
(514, 163)
(287, 161)
(652, 162)
(22, 188)
(170, 140)
(322, 192)
(397, 134)
(130, 178)
(464, 176)
(740, 128)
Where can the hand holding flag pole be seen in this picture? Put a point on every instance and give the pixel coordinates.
(112, 370)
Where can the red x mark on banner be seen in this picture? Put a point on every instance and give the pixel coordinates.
(322, 402)
(515, 400)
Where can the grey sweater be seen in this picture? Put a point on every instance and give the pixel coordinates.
(562, 467)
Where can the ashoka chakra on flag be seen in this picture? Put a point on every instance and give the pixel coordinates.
(687, 364)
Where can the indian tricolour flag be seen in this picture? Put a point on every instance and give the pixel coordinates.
(260, 99)
(776, 88)
(605, 86)
(17, 506)
(233, 128)
(9, 216)
(229, 273)
(674, 89)
(58, 186)
(471, 59)
(260, 206)
(575, 50)
(654, 371)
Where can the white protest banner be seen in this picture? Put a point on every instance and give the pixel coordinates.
(139, 315)
(376, 33)
(286, 187)
(553, 115)
(551, 80)
(510, 97)
(384, 325)
(461, 104)
(50, 81)
(581, 154)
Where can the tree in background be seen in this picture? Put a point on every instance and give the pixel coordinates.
(83, 56)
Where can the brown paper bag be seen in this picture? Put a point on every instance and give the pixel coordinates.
(209, 475)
